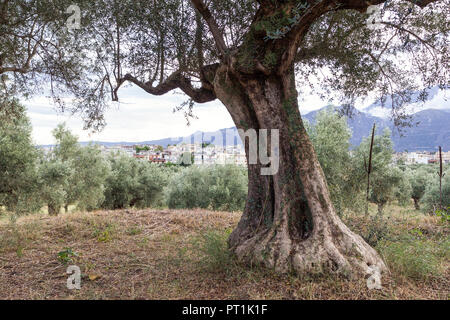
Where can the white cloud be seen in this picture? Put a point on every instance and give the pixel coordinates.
(139, 117)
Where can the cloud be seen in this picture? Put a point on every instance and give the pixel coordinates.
(139, 117)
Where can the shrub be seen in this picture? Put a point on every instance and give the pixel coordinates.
(213, 250)
(378, 229)
(330, 136)
(419, 178)
(213, 187)
(135, 183)
(66, 255)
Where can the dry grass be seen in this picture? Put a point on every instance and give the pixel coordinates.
(171, 254)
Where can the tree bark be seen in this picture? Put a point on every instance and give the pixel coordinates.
(416, 204)
(380, 208)
(53, 210)
(289, 223)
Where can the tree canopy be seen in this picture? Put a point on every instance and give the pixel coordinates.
(176, 45)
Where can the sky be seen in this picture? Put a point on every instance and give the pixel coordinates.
(142, 117)
(139, 117)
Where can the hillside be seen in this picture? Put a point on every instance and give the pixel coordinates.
(182, 254)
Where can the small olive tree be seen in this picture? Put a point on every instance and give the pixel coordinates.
(385, 178)
(330, 136)
(431, 197)
(54, 179)
(18, 160)
(419, 178)
(216, 187)
(72, 174)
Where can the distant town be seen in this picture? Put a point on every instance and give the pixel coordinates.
(421, 157)
(183, 153)
(206, 153)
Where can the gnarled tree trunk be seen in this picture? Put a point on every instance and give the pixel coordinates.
(289, 222)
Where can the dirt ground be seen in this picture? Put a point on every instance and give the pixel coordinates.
(173, 254)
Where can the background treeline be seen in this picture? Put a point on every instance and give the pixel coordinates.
(72, 175)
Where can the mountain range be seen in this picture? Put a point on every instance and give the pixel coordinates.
(430, 129)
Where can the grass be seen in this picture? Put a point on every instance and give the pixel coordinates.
(182, 254)
(416, 259)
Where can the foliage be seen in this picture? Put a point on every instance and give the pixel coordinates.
(330, 136)
(419, 179)
(186, 159)
(65, 150)
(72, 174)
(91, 173)
(90, 63)
(214, 253)
(135, 183)
(378, 229)
(54, 177)
(403, 189)
(18, 159)
(153, 178)
(104, 233)
(444, 214)
(66, 255)
(385, 178)
(144, 148)
(431, 198)
(213, 187)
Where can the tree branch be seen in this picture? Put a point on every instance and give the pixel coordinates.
(212, 24)
(175, 81)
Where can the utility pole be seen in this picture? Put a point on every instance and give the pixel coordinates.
(440, 177)
(368, 168)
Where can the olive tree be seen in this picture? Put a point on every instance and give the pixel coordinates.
(252, 56)
(216, 187)
(330, 136)
(18, 160)
(385, 178)
(419, 178)
(431, 197)
(91, 170)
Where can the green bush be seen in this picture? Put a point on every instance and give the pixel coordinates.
(134, 183)
(216, 187)
(66, 255)
(419, 177)
(330, 136)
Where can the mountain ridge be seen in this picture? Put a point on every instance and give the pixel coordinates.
(432, 130)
